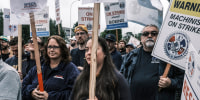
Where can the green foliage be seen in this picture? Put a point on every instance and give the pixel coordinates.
(1, 22)
(25, 33)
(129, 34)
(138, 36)
(105, 32)
(76, 24)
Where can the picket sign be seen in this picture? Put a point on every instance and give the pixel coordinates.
(30, 6)
(57, 7)
(92, 82)
(36, 50)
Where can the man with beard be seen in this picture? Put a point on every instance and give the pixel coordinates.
(116, 56)
(122, 47)
(144, 72)
(73, 43)
(4, 48)
(78, 54)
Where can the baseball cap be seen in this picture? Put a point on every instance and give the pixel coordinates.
(81, 28)
(110, 37)
(73, 38)
(130, 44)
(4, 38)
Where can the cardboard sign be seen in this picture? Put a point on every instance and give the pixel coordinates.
(179, 31)
(9, 30)
(27, 6)
(97, 1)
(57, 7)
(85, 17)
(42, 23)
(115, 15)
(19, 19)
(142, 12)
(191, 85)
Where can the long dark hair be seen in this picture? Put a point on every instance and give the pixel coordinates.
(106, 82)
(66, 58)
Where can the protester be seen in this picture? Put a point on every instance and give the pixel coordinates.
(122, 47)
(116, 45)
(58, 73)
(78, 54)
(13, 61)
(4, 48)
(31, 56)
(10, 85)
(116, 56)
(144, 72)
(129, 48)
(26, 48)
(110, 84)
(73, 43)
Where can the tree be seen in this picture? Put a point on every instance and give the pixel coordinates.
(1, 22)
(75, 24)
(127, 36)
(138, 36)
(25, 33)
(105, 32)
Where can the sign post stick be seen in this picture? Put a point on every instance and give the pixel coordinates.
(92, 82)
(11, 53)
(20, 48)
(168, 66)
(59, 29)
(117, 39)
(36, 50)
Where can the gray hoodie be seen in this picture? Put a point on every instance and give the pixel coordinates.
(10, 84)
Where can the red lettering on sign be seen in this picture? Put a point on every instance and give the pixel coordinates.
(89, 14)
(187, 92)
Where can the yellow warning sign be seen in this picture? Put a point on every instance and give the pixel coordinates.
(188, 7)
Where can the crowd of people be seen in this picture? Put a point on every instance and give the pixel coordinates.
(124, 72)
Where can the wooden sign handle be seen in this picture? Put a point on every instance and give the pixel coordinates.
(92, 82)
(36, 50)
(168, 66)
(20, 48)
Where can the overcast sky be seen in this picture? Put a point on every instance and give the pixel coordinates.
(65, 6)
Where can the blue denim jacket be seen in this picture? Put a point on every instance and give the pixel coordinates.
(175, 74)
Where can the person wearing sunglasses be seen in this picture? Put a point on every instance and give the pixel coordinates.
(78, 54)
(144, 72)
(58, 72)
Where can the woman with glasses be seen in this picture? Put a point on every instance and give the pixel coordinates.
(58, 74)
(110, 84)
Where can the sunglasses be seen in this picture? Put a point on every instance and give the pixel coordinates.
(153, 33)
(31, 41)
(81, 33)
(53, 47)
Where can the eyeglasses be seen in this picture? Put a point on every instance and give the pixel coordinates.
(3, 42)
(53, 47)
(153, 33)
(31, 41)
(81, 33)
